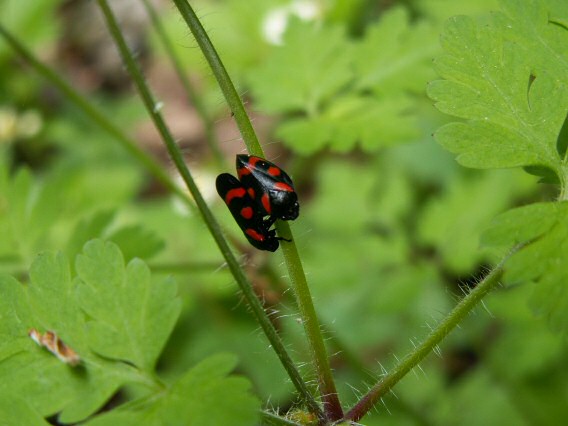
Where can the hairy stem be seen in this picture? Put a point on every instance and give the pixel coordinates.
(223, 79)
(210, 221)
(332, 405)
(462, 309)
(330, 399)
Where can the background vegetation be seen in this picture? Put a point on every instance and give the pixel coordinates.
(393, 231)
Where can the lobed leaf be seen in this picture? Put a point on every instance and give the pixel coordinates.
(543, 228)
(137, 317)
(51, 285)
(508, 78)
(203, 396)
(131, 316)
(48, 303)
(347, 93)
(87, 229)
(395, 55)
(363, 121)
(15, 318)
(312, 66)
(19, 412)
(137, 241)
(133, 240)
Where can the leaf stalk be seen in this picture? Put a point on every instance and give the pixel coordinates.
(383, 386)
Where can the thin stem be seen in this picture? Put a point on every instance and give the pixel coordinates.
(177, 158)
(327, 389)
(192, 94)
(432, 340)
(98, 117)
(332, 406)
(223, 79)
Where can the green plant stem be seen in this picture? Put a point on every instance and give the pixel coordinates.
(223, 79)
(192, 94)
(318, 352)
(332, 405)
(429, 344)
(210, 221)
(98, 117)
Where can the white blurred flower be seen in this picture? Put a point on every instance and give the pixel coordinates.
(276, 20)
(13, 125)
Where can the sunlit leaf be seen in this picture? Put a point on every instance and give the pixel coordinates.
(508, 78)
(543, 228)
(205, 395)
(131, 316)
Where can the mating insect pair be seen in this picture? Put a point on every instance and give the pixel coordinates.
(262, 189)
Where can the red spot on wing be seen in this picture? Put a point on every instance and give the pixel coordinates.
(234, 193)
(251, 192)
(247, 212)
(243, 171)
(248, 167)
(266, 203)
(281, 186)
(274, 171)
(254, 234)
(253, 160)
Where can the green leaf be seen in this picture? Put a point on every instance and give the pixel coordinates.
(75, 392)
(131, 316)
(544, 229)
(50, 285)
(137, 241)
(19, 197)
(350, 93)
(453, 220)
(17, 411)
(394, 55)
(365, 121)
(203, 396)
(48, 303)
(133, 240)
(311, 66)
(15, 318)
(441, 10)
(87, 229)
(508, 78)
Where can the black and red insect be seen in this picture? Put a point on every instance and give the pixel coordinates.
(246, 213)
(263, 190)
(270, 186)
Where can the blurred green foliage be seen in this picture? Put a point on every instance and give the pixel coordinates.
(389, 231)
